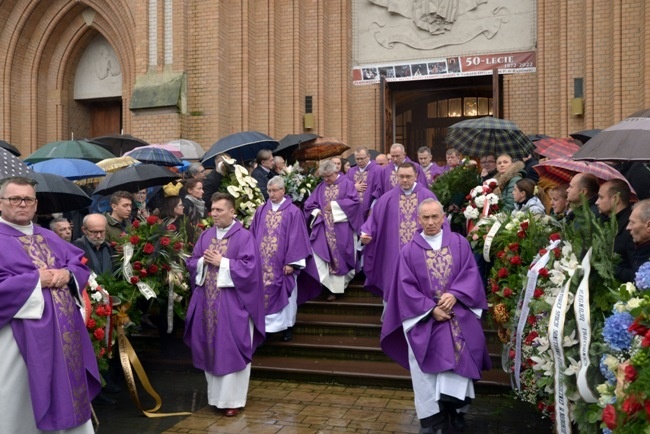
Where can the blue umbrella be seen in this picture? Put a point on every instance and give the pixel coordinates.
(69, 168)
(152, 155)
(240, 146)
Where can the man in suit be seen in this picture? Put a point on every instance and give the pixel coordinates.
(264, 170)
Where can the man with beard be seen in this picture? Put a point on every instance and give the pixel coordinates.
(98, 252)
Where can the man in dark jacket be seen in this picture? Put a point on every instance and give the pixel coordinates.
(639, 227)
(264, 170)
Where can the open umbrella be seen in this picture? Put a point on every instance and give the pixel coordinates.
(371, 152)
(555, 147)
(240, 146)
(585, 135)
(10, 165)
(111, 165)
(118, 144)
(57, 194)
(154, 155)
(626, 140)
(9, 147)
(79, 149)
(561, 170)
(322, 147)
(190, 149)
(291, 141)
(475, 137)
(69, 168)
(135, 178)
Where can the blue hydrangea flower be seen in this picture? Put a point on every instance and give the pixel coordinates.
(642, 278)
(615, 331)
(609, 375)
(607, 431)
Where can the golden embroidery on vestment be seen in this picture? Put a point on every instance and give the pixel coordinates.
(212, 296)
(408, 210)
(360, 177)
(269, 247)
(331, 195)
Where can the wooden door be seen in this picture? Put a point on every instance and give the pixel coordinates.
(105, 118)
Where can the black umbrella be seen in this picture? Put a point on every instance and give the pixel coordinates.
(628, 140)
(371, 152)
(135, 178)
(118, 144)
(57, 194)
(10, 165)
(240, 146)
(585, 135)
(291, 141)
(9, 147)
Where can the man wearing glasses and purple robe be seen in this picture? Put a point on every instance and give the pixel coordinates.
(48, 370)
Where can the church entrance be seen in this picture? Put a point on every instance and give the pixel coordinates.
(105, 117)
(421, 111)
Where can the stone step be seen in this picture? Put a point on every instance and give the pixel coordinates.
(346, 305)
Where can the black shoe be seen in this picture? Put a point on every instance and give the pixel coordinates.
(104, 400)
(458, 421)
(287, 335)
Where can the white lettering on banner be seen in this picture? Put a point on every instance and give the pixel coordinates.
(498, 60)
(488, 240)
(127, 270)
(583, 317)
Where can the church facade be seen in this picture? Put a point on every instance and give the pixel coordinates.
(367, 72)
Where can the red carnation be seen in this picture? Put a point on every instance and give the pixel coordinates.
(102, 351)
(645, 343)
(135, 279)
(523, 226)
(501, 254)
(143, 273)
(493, 185)
(531, 320)
(136, 224)
(609, 416)
(178, 245)
(137, 265)
(99, 334)
(148, 248)
(554, 236)
(468, 197)
(164, 241)
(637, 328)
(538, 292)
(502, 273)
(507, 292)
(542, 252)
(495, 288)
(515, 260)
(531, 337)
(91, 324)
(557, 252)
(153, 269)
(152, 220)
(514, 247)
(134, 240)
(521, 234)
(631, 405)
(630, 373)
(166, 267)
(113, 243)
(543, 272)
(171, 228)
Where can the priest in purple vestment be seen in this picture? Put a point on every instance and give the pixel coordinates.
(388, 176)
(48, 370)
(391, 224)
(334, 215)
(432, 321)
(283, 242)
(225, 317)
(431, 169)
(365, 176)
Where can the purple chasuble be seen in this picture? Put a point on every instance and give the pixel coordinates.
(388, 178)
(431, 173)
(371, 176)
(391, 224)
(282, 239)
(334, 242)
(216, 326)
(423, 275)
(61, 364)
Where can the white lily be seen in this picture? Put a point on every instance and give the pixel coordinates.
(227, 159)
(569, 341)
(574, 367)
(633, 303)
(97, 296)
(234, 191)
(629, 287)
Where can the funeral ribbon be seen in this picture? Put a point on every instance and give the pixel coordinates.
(127, 270)
(583, 321)
(556, 337)
(488, 240)
(128, 357)
(527, 295)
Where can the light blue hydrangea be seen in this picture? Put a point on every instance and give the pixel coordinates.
(616, 332)
(642, 278)
(604, 369)
(607, 431)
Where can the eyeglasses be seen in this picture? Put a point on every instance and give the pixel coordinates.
(96, 233)
(16, 200)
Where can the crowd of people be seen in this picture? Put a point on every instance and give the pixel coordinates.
(378, 217)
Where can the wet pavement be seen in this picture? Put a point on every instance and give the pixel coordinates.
(284, 407)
